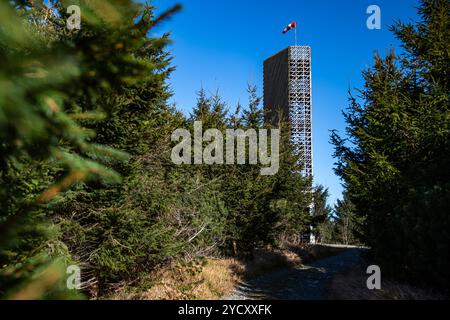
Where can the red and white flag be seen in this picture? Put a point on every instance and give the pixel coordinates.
(290, 26)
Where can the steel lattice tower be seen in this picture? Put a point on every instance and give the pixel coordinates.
(287, 89)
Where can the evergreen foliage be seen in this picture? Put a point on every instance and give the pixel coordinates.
(347, 223)
(395, 163)
(85, 171)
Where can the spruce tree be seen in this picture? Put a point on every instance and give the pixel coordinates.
(396, 166)
(58, 86)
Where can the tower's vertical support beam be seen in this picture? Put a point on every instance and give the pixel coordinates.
(287, 88)
(300, 109)
(300, 103)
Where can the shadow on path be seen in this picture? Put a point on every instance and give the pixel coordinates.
(298, 283)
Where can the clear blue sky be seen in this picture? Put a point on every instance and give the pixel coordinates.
(222, 45)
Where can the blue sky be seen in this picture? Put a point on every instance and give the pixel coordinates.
(221, 44)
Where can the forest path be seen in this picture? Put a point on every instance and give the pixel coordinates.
(308, 282)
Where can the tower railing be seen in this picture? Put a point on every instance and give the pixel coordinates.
(300, 104)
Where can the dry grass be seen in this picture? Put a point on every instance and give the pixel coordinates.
(210, 279)
(352, 286)
(204, 279)
(207, 279)
(267, 260)
(310, 253)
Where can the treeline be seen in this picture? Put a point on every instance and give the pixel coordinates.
(338, 225)
(395, 162)
(86, 176)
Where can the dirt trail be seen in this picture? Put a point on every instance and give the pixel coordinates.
(308, 282)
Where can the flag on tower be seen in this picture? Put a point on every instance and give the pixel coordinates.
(290, 26)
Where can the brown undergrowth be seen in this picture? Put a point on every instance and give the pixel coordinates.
(212, 278)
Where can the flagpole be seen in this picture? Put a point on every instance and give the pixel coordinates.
(295, 32)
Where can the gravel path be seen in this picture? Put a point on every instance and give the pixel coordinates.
(298, 283)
